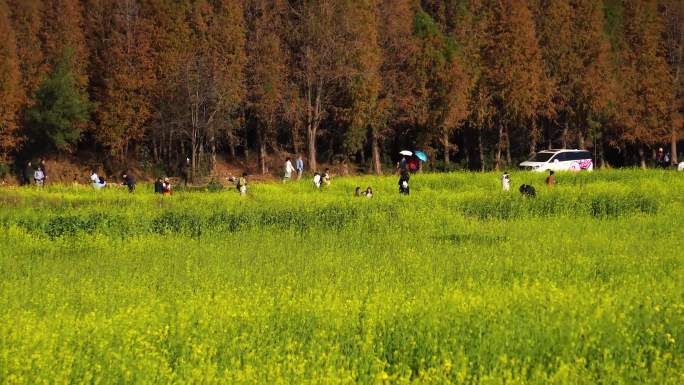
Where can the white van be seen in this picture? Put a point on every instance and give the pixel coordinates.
(559, 160)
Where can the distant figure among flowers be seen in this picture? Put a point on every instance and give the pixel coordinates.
(505, 182)
(404, 183)
(551, 179)
(527, 191)
(289, 169)
(242, 184)
(317, 180)
(98, 182)
(166, 187)
(326, 177)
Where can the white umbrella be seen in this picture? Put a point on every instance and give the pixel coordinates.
(406, 152)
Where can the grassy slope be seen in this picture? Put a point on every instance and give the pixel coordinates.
(456, 283)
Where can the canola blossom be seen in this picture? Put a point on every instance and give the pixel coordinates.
(457, 282)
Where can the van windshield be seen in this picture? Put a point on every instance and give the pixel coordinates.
(541, 157)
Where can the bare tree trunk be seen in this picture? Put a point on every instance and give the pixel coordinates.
(508, 149)
(480, 147)
(580, 140)
(673, 146)
(601, 156)
(375, 148)
(313, 120)
(262, 158)
(311, 147)
(262, 151)
(564, 135)
(212, 144)
(295, 138)
(193, 162)
(155, 151)
(642, 157)
(499, 146)
(466, 151)
(445, 142)
(231, 146)
(169, 147)
(533, 143)
(200, 157)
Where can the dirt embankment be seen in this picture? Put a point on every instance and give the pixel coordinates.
(72, 170)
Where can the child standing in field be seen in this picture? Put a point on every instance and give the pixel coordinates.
(43, 167)
(369, 192)
(326, 177)
(317, 180)
(403, 182)
(39, 177)
(505, 182)
(242, 184)
(289, 169)
(551, 179)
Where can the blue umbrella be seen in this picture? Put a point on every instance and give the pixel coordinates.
(421, 155)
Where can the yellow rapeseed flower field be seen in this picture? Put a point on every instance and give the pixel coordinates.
(458, 283)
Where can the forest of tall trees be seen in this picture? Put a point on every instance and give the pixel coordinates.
(477, 84)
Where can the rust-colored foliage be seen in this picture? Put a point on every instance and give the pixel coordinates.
(180, 82)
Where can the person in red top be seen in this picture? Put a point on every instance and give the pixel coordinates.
(551, 179)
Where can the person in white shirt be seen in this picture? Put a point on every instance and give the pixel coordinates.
(98, 183)
(317, 180)
(39, 177)
(289, 169)
(505, 182)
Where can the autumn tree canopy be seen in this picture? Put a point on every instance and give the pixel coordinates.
(476, 84)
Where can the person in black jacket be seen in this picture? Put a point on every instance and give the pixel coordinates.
(403, 182)
(128, 181)
(527, 191)
(28, 173)
(158, 186)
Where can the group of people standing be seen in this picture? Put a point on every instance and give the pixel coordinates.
(290, 169)
(319, 179)
(163, 186)
(35, 175)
